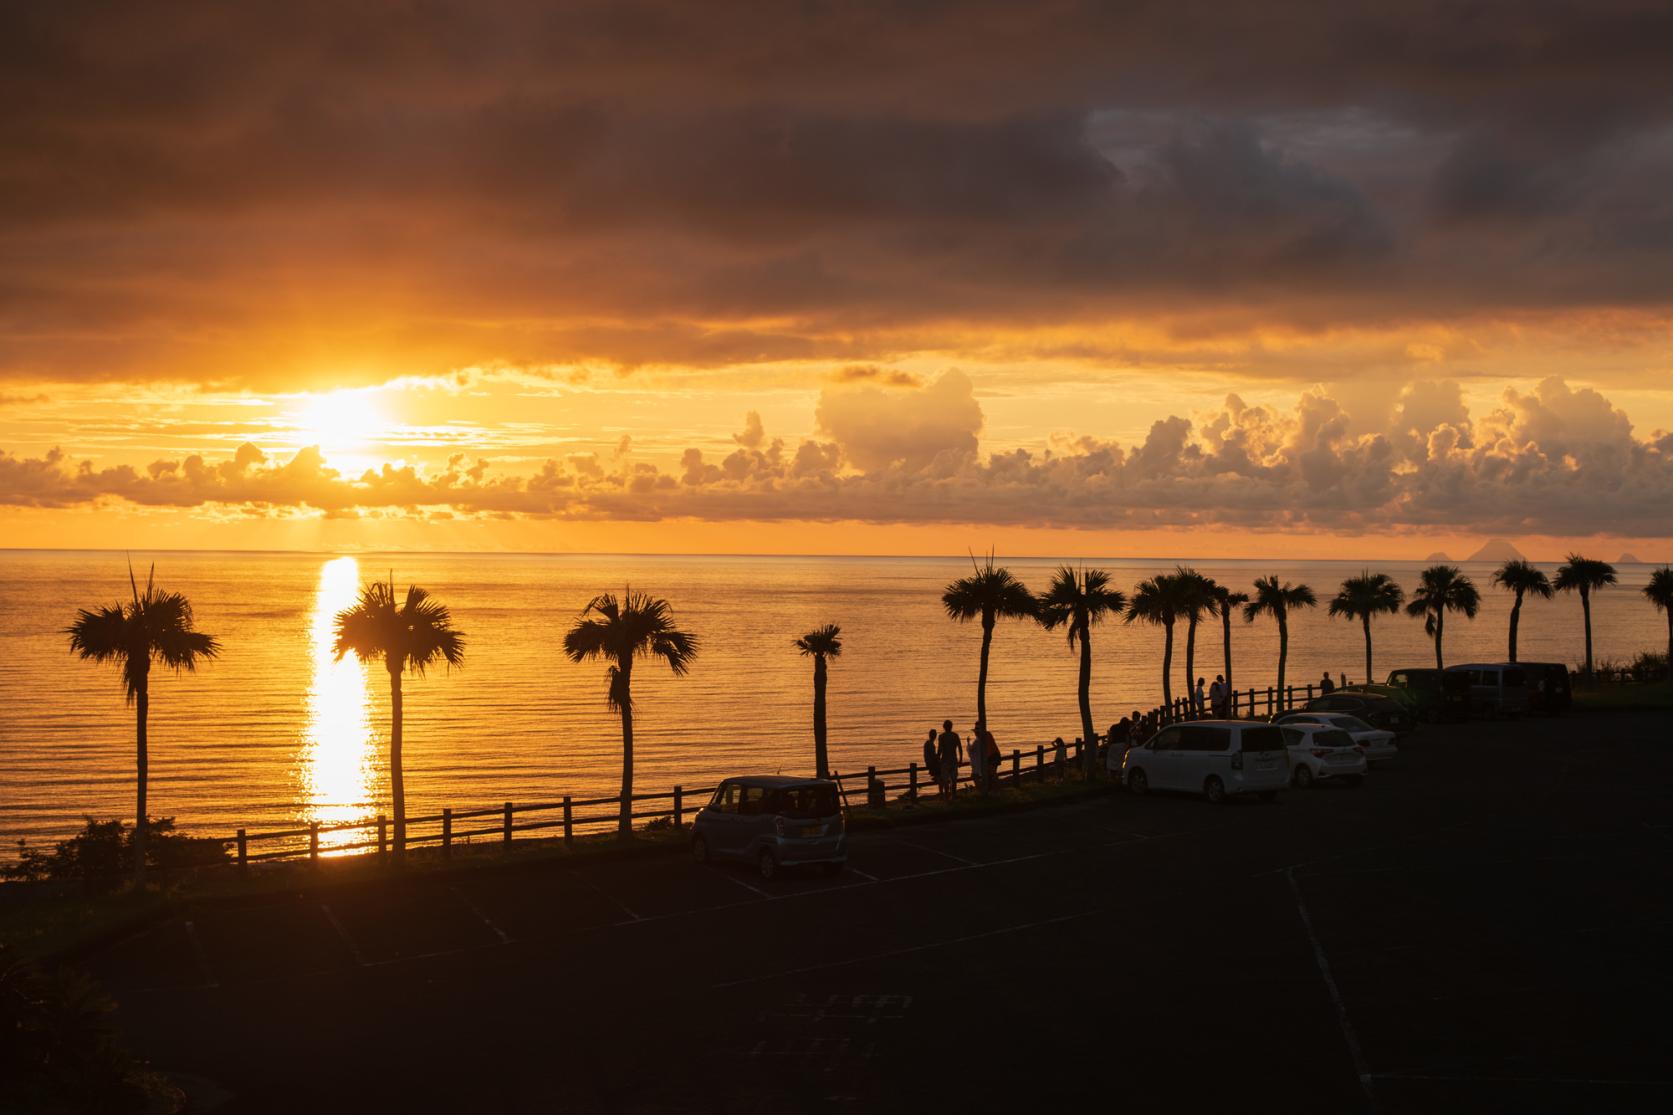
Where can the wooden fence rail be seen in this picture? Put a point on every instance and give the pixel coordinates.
(875, 788)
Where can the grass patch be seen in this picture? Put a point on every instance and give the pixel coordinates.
(43, 921)
(1603, 698)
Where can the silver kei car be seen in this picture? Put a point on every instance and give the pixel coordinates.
(774, 822)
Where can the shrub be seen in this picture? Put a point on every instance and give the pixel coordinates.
(104, 850)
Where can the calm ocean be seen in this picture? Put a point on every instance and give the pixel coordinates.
(276, 732)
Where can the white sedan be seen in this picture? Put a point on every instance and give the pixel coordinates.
(1320, 752)
(1375, 743)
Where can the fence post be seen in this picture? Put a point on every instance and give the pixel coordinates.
(911, 781)
(1080, 750)
(446, 833)
(1040, 760)
(568, 823)
(243, 851)
(679, 807)
(1309, 691)
(508, 822)
(313, 841)
(383, 835)
(1016, 766)
(1271, 701)
(874, 791)
(1289, 697)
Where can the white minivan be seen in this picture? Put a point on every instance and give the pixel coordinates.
(1497, 688)
(1216, 758)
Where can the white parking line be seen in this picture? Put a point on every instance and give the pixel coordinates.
(505, 938)
(1361, 1069)
(741, 883)
(354, 949)
(935, 851)
(607, 896)
(907, 951)
(202, 957)
(855, 870)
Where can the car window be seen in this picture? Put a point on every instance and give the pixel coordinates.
(725, 799)
(1294, 736)
(1199, 738)
(751, 799)
(1333, 737)
(1397, 679)
(806, 801)
(1263, 739)
(1515, 677)
(1166, 740)
(1352, 723)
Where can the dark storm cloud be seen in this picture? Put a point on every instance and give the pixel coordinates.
(213, 191)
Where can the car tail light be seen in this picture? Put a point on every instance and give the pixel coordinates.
(1321, 752)
(778, 825)
(1237, 760)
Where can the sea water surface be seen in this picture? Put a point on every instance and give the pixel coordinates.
(277, 731)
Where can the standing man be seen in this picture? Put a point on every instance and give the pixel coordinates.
(988, 748)
(1326, 685)
(951, 753)
(1217, 696)
(1198, 701)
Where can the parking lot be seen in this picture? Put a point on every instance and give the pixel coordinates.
(1481, 924)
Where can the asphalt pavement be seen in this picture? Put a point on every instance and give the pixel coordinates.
(1483, 925)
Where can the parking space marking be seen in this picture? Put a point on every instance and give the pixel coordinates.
(935, 852)
(202, 957)
(1361, 1069)
(731, 879)
(632, 914)
(907, 951)
(354, 949)
(505, 938)
(862, 874)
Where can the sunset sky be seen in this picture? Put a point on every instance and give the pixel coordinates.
(1150, 279)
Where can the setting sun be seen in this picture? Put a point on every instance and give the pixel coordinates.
(339, 421)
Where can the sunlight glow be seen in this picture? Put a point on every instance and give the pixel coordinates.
(338, 759)
(339, 420)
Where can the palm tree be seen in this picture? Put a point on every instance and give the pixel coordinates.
(1583, 575)
(1277, 599)
(413, 634)
(820, 644)
(1196, 599)
(1660, 592)
(1442, 589)
(1364, 596)
(1522, 579)
(1225, 603)
(619, 631)
(155, 626)
(1157, 602)
(1077, 600)
(993, 594)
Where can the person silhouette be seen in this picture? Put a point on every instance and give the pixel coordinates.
(1326, 685)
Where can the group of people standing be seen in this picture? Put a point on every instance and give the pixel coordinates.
(944, 751)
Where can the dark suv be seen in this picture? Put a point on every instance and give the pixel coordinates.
(1379, 712)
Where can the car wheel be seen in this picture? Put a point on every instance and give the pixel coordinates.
(768, 864)
(1303, 776)
(1214, 790)
(1137, 783)
(699, 849)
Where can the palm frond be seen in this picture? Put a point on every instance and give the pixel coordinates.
(823, 641)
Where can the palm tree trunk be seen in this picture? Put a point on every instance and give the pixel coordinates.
(819, 755)
(1440, 630)
(1090, 751)
(1191, 662)
(1366, 620)
(1586, 609)
(982, 674)
(142, 766)
(624, 821)
(1670, 646)
(397, 780)
(1226, 625)
(1515, 621)
(1167, 666)
(1283, 652)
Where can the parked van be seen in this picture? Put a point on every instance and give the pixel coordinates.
(1496, 688)
(1429, 693)
(773, 822)
(1548, 687)
(1216, 758)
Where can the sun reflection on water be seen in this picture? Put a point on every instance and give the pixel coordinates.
(339, 756)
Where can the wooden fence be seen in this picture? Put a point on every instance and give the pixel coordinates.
(576, 816)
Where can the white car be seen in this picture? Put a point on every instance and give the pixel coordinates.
(1219, 759)
(1321, 753)
(1376, 743)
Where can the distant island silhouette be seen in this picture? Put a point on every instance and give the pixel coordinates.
(1629, 559)
(1497, 549)
(1438, 555)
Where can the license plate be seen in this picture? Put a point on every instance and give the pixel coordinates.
(813, 830)
(1264, 763)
